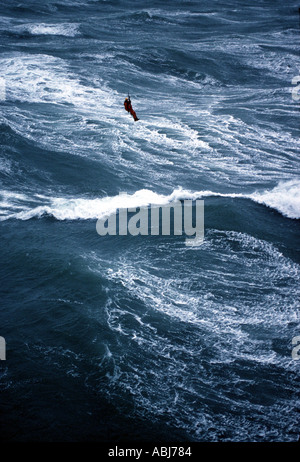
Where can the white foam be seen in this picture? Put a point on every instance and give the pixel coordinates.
(171, 134)
(64, 29)
(260, 265)
(44, 78)
(80, 208)
(284, 198)
(142, 291)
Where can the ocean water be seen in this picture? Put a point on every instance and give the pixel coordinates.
(141, 338)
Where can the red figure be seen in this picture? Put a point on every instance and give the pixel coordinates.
(128, 108)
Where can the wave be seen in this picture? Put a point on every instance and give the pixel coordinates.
(285, 198)
(66, 30)
(32, 29)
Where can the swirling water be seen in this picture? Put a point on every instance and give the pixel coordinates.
(122, 338)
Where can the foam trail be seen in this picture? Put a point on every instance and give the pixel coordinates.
(63, 29)
(285, 198)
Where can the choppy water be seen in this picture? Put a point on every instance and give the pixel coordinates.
(142, 338)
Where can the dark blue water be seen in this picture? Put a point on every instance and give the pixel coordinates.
(123, 338)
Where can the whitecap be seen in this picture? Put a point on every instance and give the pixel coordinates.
(285, 198)
(63, 29)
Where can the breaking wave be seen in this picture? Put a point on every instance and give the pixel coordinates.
(62, 29)
(67, 30)
(285, 198)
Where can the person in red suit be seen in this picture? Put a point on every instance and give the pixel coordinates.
(128, 108)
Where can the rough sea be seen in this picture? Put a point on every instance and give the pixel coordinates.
(142, 338)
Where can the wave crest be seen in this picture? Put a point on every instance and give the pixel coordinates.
(285, 198)
(63, 29)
